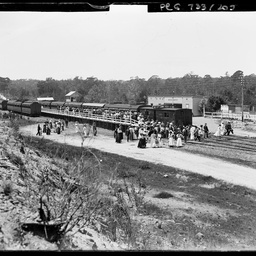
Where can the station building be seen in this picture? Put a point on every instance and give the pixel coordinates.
(72, 96)
(175, 101)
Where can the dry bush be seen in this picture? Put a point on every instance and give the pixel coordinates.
(127, 200)
(7, 187)
(67, 196)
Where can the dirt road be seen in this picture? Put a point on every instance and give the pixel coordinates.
(232, 173)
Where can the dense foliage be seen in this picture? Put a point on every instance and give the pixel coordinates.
(219, 90)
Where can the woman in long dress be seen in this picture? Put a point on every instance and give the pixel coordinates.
(160, 141)
(119, 135)
(171, 140)
(179, 142)
(131, 135)
(192, 133)
(222, 128)
(218, 132)
(142, 141)
(153, 139)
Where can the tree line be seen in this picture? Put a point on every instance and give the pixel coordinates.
(217, 90)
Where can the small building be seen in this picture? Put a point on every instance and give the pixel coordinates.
(234, 108)
(182, 101)
(72, 96)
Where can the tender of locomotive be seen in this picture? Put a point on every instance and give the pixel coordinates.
(178, 116)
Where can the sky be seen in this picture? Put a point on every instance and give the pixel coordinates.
(126, 42)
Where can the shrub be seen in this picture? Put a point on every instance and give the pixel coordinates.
(163, 194)
(7, 187)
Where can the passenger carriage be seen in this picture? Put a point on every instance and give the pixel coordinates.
(31, 108)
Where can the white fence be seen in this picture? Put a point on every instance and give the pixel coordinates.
(236, 116)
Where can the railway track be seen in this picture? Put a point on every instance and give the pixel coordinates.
(232, 142)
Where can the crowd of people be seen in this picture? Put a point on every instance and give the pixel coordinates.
(49, 126)
(224, 129)
(153, 133)
(58, 126)
(124, 115)
(147, 133)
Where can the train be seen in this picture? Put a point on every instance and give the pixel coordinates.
(161, 113)
(24, 107)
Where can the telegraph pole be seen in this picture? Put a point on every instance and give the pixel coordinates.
(242, 85)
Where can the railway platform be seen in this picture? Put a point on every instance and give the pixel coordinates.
(100, 120)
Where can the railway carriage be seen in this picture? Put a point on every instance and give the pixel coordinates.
(46, 104)
(31, 108)
(122, 107)
(96, 108)
(14, 106)
(56, 104)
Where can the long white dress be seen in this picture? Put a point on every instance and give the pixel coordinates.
(179, 142)
(218, 132)
(192, 130)
(160, 141)
(153, 140)
(171, 140)
(222, 129)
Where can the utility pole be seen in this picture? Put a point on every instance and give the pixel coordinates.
(242, 85)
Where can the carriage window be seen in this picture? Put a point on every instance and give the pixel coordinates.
(166, 114)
